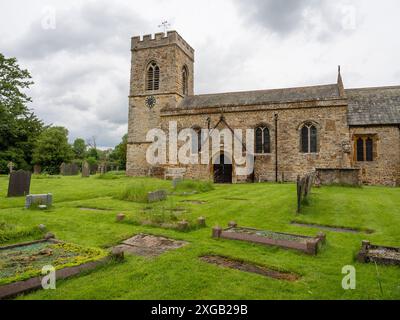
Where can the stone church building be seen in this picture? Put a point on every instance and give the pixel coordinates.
(343, 132)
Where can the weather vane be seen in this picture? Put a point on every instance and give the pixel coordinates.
(164, 25)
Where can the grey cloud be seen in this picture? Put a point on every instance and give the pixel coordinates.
(278, 16)
(93, 25)
(81, 69)
(318, 18)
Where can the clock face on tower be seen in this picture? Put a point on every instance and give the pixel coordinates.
(150, 102)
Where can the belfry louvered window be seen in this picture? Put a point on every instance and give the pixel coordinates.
(153, 77)
(262, 142)
(184, 81)
(309, 138)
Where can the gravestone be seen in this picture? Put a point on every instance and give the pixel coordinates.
(102, 168)
(62, 168)
(93, 168)
(38, 199)
(19, 183)
(159, 195)
(70, 169)
(176, 181)
(85, 170)
(37, 169)
(10, 166)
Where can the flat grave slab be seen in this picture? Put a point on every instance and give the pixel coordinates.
(249, 267)
(331, 228)
(194, 201)
(149, 245)
(156, 196)
(379, 254)
(309, 245)
(21, 264)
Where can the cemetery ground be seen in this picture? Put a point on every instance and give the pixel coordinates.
(84, 213)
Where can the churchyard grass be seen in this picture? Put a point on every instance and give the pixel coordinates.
(84, 213)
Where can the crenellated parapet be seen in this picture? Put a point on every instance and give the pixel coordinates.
(161, 39)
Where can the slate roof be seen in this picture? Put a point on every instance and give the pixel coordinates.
(324, 92)
(374, 106)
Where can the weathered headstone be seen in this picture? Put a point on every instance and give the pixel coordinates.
(93, 168)
(37, 169)
(10, 166)
(176, 181)
(73, 169)
(70, 169)
(19, 183)
(85, 170)
(102, 168)
(62, 168)
(38, 199)
(159, 195)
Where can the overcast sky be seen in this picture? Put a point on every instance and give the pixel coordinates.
(81, 67)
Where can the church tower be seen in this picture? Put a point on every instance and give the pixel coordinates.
(161, 76)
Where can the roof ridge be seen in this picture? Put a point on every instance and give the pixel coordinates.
(263, 90)
(373, 88)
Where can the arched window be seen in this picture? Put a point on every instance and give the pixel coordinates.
(364, 147)
(360, 149)
(185, 77)
(153, 77)
(196, 140)
(262, 137)
(309, 138)
(369, 149)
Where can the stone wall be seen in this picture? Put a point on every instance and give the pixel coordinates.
(385, 169)
(330, 119)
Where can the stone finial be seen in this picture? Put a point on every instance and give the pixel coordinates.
(232, 224)
(120, 217)
(49, 236)
(322, 236)
(216, 232)
(183, 225)
(117, 254)
(201, 221)
(365, 245)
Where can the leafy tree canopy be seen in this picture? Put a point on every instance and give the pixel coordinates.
(52, 149)
(19, 127)
(119, 153)
(79, 147)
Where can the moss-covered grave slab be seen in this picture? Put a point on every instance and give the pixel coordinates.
(21, 264)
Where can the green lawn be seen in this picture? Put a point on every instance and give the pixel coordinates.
(180, 274)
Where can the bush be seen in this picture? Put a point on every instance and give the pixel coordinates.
(194, 185)
(109, 176)
(136, 193)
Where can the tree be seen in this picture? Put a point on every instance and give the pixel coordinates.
(19, 127)
(52, 149)
(119, 153)
(93, 153)
(79, 148)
